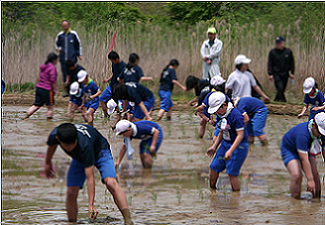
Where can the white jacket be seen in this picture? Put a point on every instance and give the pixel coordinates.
(212, 53)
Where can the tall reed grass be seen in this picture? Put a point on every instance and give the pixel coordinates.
(21, 57)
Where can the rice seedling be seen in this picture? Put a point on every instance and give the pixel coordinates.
(154, 196)
(179, 196)
(201, 195)
(130, 200)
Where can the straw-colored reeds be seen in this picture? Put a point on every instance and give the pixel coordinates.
(21, 57)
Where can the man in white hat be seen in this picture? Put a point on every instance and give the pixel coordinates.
(297, 154)
(149, 132)
(241, 81)
(232, 139)
(210, 52)
(314, 97)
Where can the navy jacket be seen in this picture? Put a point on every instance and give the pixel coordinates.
(69, 44)
(280, 62)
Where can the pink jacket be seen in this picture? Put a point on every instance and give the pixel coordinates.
(47, 76)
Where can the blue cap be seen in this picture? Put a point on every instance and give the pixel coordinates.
(279, 39)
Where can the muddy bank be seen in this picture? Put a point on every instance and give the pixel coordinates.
(28, 100)
(175, 191)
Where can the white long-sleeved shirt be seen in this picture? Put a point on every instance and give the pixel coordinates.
(212, 53)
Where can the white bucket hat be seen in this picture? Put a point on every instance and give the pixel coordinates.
(309, 83)
(74, 88)
(216, 99)
(122, 126)
(81, 75)
(111, 105)
(242, 59)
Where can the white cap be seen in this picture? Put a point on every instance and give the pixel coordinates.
(217, 80)
(111, 105)
(320, 121)
(216, 99)
(309, 83)
(74, 88)
(81, 75)
(242, 59)
(122, 126)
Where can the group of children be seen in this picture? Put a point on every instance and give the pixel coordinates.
(237, 120)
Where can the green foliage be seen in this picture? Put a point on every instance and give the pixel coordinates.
(20, 88)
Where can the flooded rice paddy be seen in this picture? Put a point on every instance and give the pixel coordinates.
(175, 191)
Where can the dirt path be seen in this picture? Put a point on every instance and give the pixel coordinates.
(28, 99)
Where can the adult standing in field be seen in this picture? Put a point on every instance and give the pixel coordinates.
(279, 64)
(68, 44)
(210, 52)
(241, 81)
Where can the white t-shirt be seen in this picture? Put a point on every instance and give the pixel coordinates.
(241, 84)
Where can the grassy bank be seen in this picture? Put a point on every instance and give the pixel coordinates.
(156, 45)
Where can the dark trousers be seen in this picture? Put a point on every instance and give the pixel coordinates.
(64, 70)
(280, 83)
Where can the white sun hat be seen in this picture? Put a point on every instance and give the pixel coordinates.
(217, 80)
(122, 126)
(74, 88)
(216, 99)
(309, 83)
(81, 75)
(320, 121)
(111, 105)
(242, 59)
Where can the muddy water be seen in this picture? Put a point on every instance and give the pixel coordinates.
(175, 191)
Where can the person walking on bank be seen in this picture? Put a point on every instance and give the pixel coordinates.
(279, 64)
(210, 52)
(68, 44)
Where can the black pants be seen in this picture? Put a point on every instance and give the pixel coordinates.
(280, 83)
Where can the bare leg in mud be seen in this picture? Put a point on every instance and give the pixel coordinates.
(119, 198)
(104, 108)
(294, 168)
(313, 165)
(71, 203)
(202, 127)
(235, 183)
(146, 160)
(31, 111)
(213, 179)
(90, 116)
(113, 187)
(49, 114)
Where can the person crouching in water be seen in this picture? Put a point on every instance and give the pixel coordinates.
(297, 154)
(91, 95)
(46, 87)
(233, 138)
(76, 98)
(255, 115)
(167, 80)
(149, 132)
(314, 97)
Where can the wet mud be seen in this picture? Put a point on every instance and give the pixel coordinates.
(174, 191)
